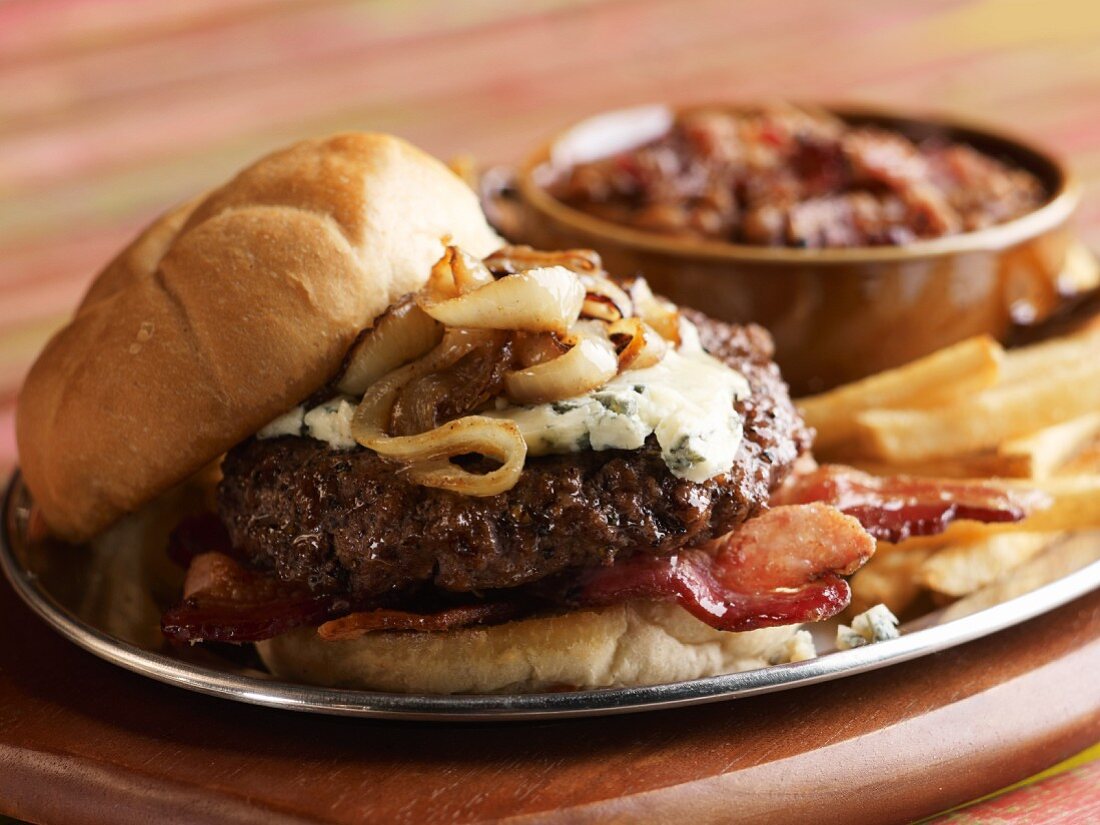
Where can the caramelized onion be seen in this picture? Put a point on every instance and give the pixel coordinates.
(465, 386)
(510, 259)
(372, 416)
(430, 454)
(518, 307)
(455, 274)
(660, 314)
(644, 346)
(537, 300)
(427, 455)
(605, 299)
(589, 364)
(530, 348)
(404, 333)
(600, 308)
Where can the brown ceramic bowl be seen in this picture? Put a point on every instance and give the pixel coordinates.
(836, 314)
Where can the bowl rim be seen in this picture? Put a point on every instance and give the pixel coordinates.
(1063, 200)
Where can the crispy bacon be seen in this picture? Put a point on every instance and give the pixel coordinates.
(226, 602)
(359, 624)
(893, 508)
(782, 567)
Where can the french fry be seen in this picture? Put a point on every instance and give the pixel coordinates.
(1040, 359)
(1060, 559)
(1074, 505)
(1044, 451)
(1086, 462)
(986, 419)
(960, 569)
(889, 578)
(1030, 417)
(939, 378)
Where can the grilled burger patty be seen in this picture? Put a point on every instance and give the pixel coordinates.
(347, 521)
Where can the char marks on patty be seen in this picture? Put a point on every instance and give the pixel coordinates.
(349, 522)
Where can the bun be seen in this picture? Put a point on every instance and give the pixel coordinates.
(225, 313)
(640, 643)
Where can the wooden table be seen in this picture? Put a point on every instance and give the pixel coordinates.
(111, 111)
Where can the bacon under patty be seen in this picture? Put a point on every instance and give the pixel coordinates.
(359, 624)
(781, 567)
(224, 601)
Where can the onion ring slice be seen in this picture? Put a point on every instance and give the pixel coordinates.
(660, 314)
(590, 363)
(401, 335)
(427, 455)
(510, 259)
(644, 348)
(536, 300)
(455, 274)
(602, 292)
(430, 454)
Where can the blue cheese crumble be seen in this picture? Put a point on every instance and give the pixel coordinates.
(686, 401)
(329, 422)
(876, 624)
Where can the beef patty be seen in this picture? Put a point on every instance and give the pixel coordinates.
(347, 521)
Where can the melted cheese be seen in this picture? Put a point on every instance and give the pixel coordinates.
(686, 401)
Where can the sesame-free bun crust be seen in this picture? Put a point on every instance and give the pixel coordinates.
(638, 643)
(225, 313)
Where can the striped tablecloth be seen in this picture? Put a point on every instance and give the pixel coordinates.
(111, 111)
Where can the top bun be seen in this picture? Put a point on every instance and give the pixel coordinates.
(225, 313)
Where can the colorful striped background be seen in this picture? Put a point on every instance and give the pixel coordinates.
(111, 111)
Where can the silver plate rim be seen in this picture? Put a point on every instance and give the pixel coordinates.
(531, 706)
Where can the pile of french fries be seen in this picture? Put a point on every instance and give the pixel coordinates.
(1028, 417)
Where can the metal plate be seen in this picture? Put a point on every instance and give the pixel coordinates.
(1064, 572)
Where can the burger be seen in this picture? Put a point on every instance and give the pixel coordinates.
(441, 463)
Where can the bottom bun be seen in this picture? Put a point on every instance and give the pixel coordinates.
(641, 643)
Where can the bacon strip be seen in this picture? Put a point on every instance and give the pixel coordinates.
(893, 508)
(779, 568)
(369, 621)
(225, 602)
(782, 567)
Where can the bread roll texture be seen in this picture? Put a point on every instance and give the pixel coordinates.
(638, 643)
(225, 313)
